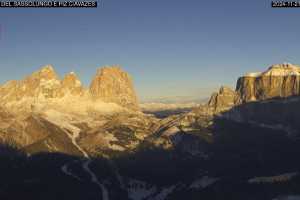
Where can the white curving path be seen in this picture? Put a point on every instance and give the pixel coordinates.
(73, 133)
(86, 164)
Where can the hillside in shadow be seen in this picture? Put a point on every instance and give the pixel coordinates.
(252, 140)
(278, 113)
(40, 177)
(239, 152)
(236, 151)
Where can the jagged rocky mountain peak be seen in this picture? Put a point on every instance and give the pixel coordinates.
(109, 69)
(71, 79)
(225, 90)
(222, 100)
(46, 72)
(71, 84)
(112, 84)
(114, 72)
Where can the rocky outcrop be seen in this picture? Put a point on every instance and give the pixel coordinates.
(222, 100)
(72, 84)
(112, 84)
(41, 85)
(44, 83)
(267, 99)
(282, 80)
(34, 111)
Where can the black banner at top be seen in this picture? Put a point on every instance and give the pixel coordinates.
(48, 4)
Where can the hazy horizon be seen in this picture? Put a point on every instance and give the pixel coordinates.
(170, 48)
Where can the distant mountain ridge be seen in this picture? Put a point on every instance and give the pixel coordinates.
(110, 84)
(176, 100)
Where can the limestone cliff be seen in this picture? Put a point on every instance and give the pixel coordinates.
(72, 84)
(44, 88)
(112, 84)
(278, 81)
(268, 99)
(282, 80)
(38, 112)
(42, 84)
(222, 100)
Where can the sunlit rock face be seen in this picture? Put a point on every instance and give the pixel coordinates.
(37, 110)
(112, 84)
(280, 80)
(42, 84)
(268, 99)
(222, 100)
(72, 84)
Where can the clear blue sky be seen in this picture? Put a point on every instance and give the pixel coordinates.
(170, 47)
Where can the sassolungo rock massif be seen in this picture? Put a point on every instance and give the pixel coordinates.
(60, 140)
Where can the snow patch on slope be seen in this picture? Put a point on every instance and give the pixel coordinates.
(139, 190)
(203, 182)
(163, 194)
(285, 69)
(253, 74)
(273, 179)
(62, 120)
(290, 197)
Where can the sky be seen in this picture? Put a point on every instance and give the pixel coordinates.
(182, 48)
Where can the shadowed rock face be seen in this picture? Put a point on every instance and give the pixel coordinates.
(281, 80)
(112, 84)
